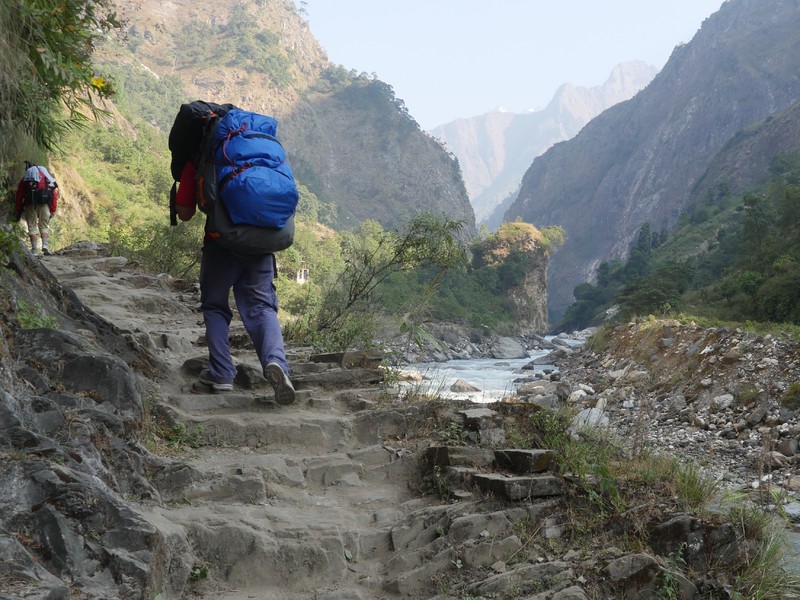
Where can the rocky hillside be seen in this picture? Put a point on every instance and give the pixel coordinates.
(123, 478)
(747, 157)
(641, 160)
(350, 140)
(495, 149)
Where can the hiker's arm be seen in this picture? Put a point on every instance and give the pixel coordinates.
(185, 200)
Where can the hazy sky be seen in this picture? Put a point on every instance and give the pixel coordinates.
(460, 58)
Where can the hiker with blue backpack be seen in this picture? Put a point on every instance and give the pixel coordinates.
(228, 163)
(37, 199)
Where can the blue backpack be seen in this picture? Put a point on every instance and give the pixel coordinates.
(245, 186)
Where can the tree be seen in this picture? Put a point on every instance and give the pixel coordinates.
(371, 256)
(756, 225)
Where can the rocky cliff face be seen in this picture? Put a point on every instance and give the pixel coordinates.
(640, 160)
(529, 298)
(495, 149)
(746, 159)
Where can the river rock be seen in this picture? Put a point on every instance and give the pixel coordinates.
(462, 386)
(506, 348)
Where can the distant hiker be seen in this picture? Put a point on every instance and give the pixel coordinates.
(37, 198)
(249, 274)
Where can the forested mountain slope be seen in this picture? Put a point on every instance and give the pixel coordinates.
(352, 142)
(641, 160)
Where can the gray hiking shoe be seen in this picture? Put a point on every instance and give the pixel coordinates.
(280, 382)
(217, 386)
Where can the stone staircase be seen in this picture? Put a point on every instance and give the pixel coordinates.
(507, 473)
(293, 501)
(313, 501)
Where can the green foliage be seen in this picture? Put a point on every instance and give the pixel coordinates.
(160, 248)
(10, 236)
(475, 292)
(126, 182)
(199, 571)
(33, 316)
(454, 434)
(740, 261)
(766, 570)
(179, 436)
(240, 41)
(511, 243)
(334, 79)
(436, 484)
(371, 255)
(145, 99)
(581, 455)
(47, 67)
(312, 210)
(791, 397)
(694, 489)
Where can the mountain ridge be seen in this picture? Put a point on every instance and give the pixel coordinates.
(640, 160)
(496, 148)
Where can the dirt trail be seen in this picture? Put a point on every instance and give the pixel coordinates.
(278, 502)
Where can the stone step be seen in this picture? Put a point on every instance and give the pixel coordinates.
(335, 379)
(525, 461)
(260, 546)
(204, 402)
(358, 358)
(304, 374)
(230, 475)
(465, 456)
(516, 488)
(291, 428)
(518, 461)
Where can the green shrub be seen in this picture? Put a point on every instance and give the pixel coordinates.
(791, 397)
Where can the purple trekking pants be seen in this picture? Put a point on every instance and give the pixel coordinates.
(254, 291)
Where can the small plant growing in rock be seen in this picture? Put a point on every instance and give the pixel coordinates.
(436, 484)
(748, 395)
(179, 435)
(454, 434)
(199, 572)
(9, 241)
(33, 317)
(791, 397)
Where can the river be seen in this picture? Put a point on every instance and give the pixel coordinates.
(493, 377)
